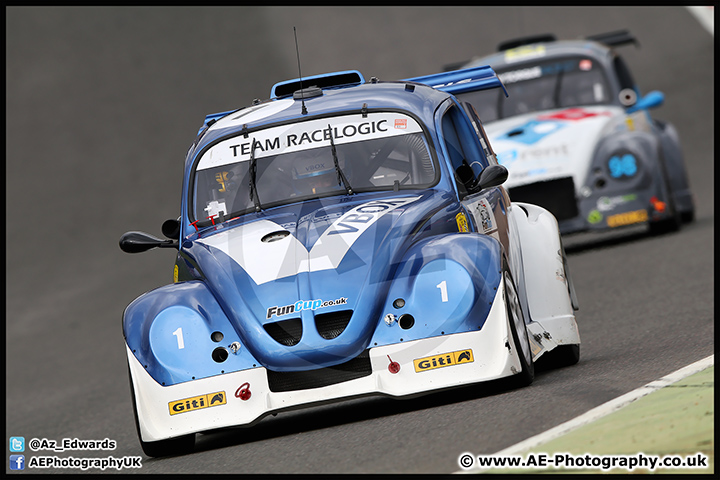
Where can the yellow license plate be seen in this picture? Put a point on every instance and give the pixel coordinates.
(443, 360)
(627, 218)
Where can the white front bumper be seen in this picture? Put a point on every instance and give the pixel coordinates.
(491, 359)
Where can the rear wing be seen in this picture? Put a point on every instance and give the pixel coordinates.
(461, 81)
(614, 39)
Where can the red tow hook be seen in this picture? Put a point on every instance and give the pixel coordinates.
(394, 367)
(243, 392)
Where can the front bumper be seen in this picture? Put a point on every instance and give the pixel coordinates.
(616, 210)
(244, 397)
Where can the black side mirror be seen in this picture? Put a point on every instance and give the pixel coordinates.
(136, 242)
(466, 176)
(493, 176)
(171, 228)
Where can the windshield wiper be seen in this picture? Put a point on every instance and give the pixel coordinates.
(340, 174)
(253, 170)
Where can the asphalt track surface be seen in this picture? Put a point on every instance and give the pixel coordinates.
(102, 104)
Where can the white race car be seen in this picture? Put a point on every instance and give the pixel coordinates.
(576, 135)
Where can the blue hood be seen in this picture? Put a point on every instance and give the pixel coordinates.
(276, 273)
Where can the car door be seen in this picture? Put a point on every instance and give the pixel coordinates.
(470, 153)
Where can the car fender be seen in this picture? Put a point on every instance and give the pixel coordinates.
(544, 278)
(644, 146)
(447, 283)
(672, 157)
(179, 333)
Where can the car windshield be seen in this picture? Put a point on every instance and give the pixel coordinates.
(295, 162)
(557, 83)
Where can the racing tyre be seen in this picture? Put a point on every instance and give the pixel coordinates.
(688, 216)
(521, 343)
(668, 225)
(161, 448)
(560, 356)
(671, 224)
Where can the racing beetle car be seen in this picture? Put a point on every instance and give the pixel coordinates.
(342, 238)
(577, 138)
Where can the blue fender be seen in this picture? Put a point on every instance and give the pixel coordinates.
(446, 283)
(170, 332)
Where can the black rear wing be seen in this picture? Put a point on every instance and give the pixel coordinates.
(519, 42)
(614, 39)
(611, 39)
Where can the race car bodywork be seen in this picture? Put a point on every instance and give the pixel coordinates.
(346, 239)
(576, 135)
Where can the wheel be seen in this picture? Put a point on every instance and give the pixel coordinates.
(688, 216)
(560, 356)
(668, 225)
(161, 448)
(521, 343)
(673, 223)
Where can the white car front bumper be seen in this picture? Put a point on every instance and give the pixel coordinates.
(424, 365)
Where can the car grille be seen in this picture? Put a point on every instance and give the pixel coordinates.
(330, 325)
(557, 196)
(287, 332)
(358, 367)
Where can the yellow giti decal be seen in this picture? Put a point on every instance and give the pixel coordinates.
(175, 274)
(443, 360)
(627, 218)
(197, 403)
(527, 51)
(462, 224)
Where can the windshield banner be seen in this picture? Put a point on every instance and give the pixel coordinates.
(307, 135)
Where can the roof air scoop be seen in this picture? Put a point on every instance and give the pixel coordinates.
(325, 81)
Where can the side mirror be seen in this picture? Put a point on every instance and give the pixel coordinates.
(651, 100)
(171, 228)
(493, 176)
(466, 176)
(136, 242)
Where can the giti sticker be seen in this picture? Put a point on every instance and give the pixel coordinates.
(627, 218)
(197, 403)
(524, 52)
(443, 360)
(175, 274)
(462, 223)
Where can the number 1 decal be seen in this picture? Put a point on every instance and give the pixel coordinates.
(443, 290)
(178, 333)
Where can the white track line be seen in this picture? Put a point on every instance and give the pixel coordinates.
(604, 409)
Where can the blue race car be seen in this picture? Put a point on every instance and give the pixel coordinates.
(576, 135)
(349, 238)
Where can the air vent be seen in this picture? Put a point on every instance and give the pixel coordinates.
(275, 236)
(330, 325)
(323, 81)
(286, 332)
(358, 367)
